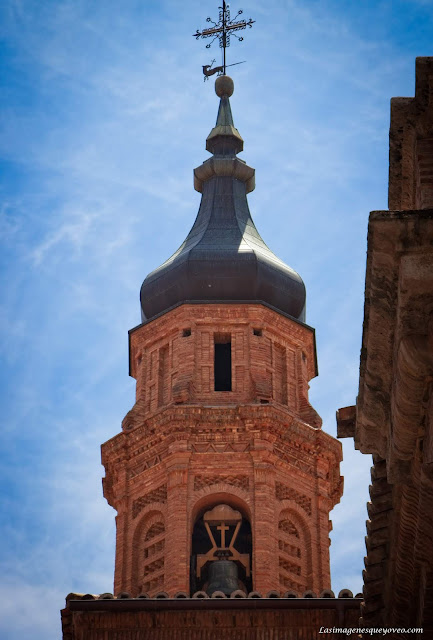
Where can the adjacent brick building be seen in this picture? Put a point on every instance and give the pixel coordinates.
(393, 417)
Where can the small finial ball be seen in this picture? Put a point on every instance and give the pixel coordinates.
(224, 86)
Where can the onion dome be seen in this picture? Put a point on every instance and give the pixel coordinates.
(223, 258)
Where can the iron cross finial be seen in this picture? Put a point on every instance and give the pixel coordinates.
(223, 29)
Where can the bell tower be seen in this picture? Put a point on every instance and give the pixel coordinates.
(221, 477)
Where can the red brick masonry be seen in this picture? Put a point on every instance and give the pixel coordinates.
(186, 447)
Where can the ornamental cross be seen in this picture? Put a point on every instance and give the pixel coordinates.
(223, 528)
(223, 30)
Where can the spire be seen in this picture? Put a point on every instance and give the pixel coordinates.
(224, 142)
(223, 258)
(224, 138)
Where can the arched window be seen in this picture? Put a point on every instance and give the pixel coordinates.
(221, 533)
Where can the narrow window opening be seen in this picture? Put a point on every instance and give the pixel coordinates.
(257, 332)
(223, 362)
(186, 333)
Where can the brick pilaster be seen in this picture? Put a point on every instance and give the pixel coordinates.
(322, 579)
(178, 530)
(265, 567)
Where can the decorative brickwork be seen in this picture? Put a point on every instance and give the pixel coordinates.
(289, 549)
(288, 527)
(235, 481)
(157, 495)
(288, 583)
(154, 584)
(152, 568)
(283, 492)
(155, 530)
(148, 554)
(291, 567)
(295, 553)
(144, 466)
(297, 459)
(218, 447)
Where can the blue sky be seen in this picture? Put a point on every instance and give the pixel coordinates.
(104, 115)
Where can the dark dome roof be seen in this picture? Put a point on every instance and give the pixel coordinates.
(223, 258)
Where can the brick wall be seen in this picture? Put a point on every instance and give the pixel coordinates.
(296, 619)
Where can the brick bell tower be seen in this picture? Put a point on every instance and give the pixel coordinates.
(221, 477)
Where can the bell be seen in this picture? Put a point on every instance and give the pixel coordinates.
(223, 576)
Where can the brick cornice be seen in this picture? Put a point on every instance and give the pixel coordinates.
(190, 423)
(245, 415)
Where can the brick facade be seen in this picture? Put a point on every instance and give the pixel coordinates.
(393, 416)
(185, 448)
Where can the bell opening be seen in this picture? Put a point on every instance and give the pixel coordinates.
(221, 552)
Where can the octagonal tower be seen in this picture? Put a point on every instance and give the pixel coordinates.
(221, 466)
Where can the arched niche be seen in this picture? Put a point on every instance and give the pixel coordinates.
(221, 493)
(294, 552)
(220, 527)
(149, 553)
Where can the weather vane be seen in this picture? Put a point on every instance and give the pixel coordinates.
(222, 30)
